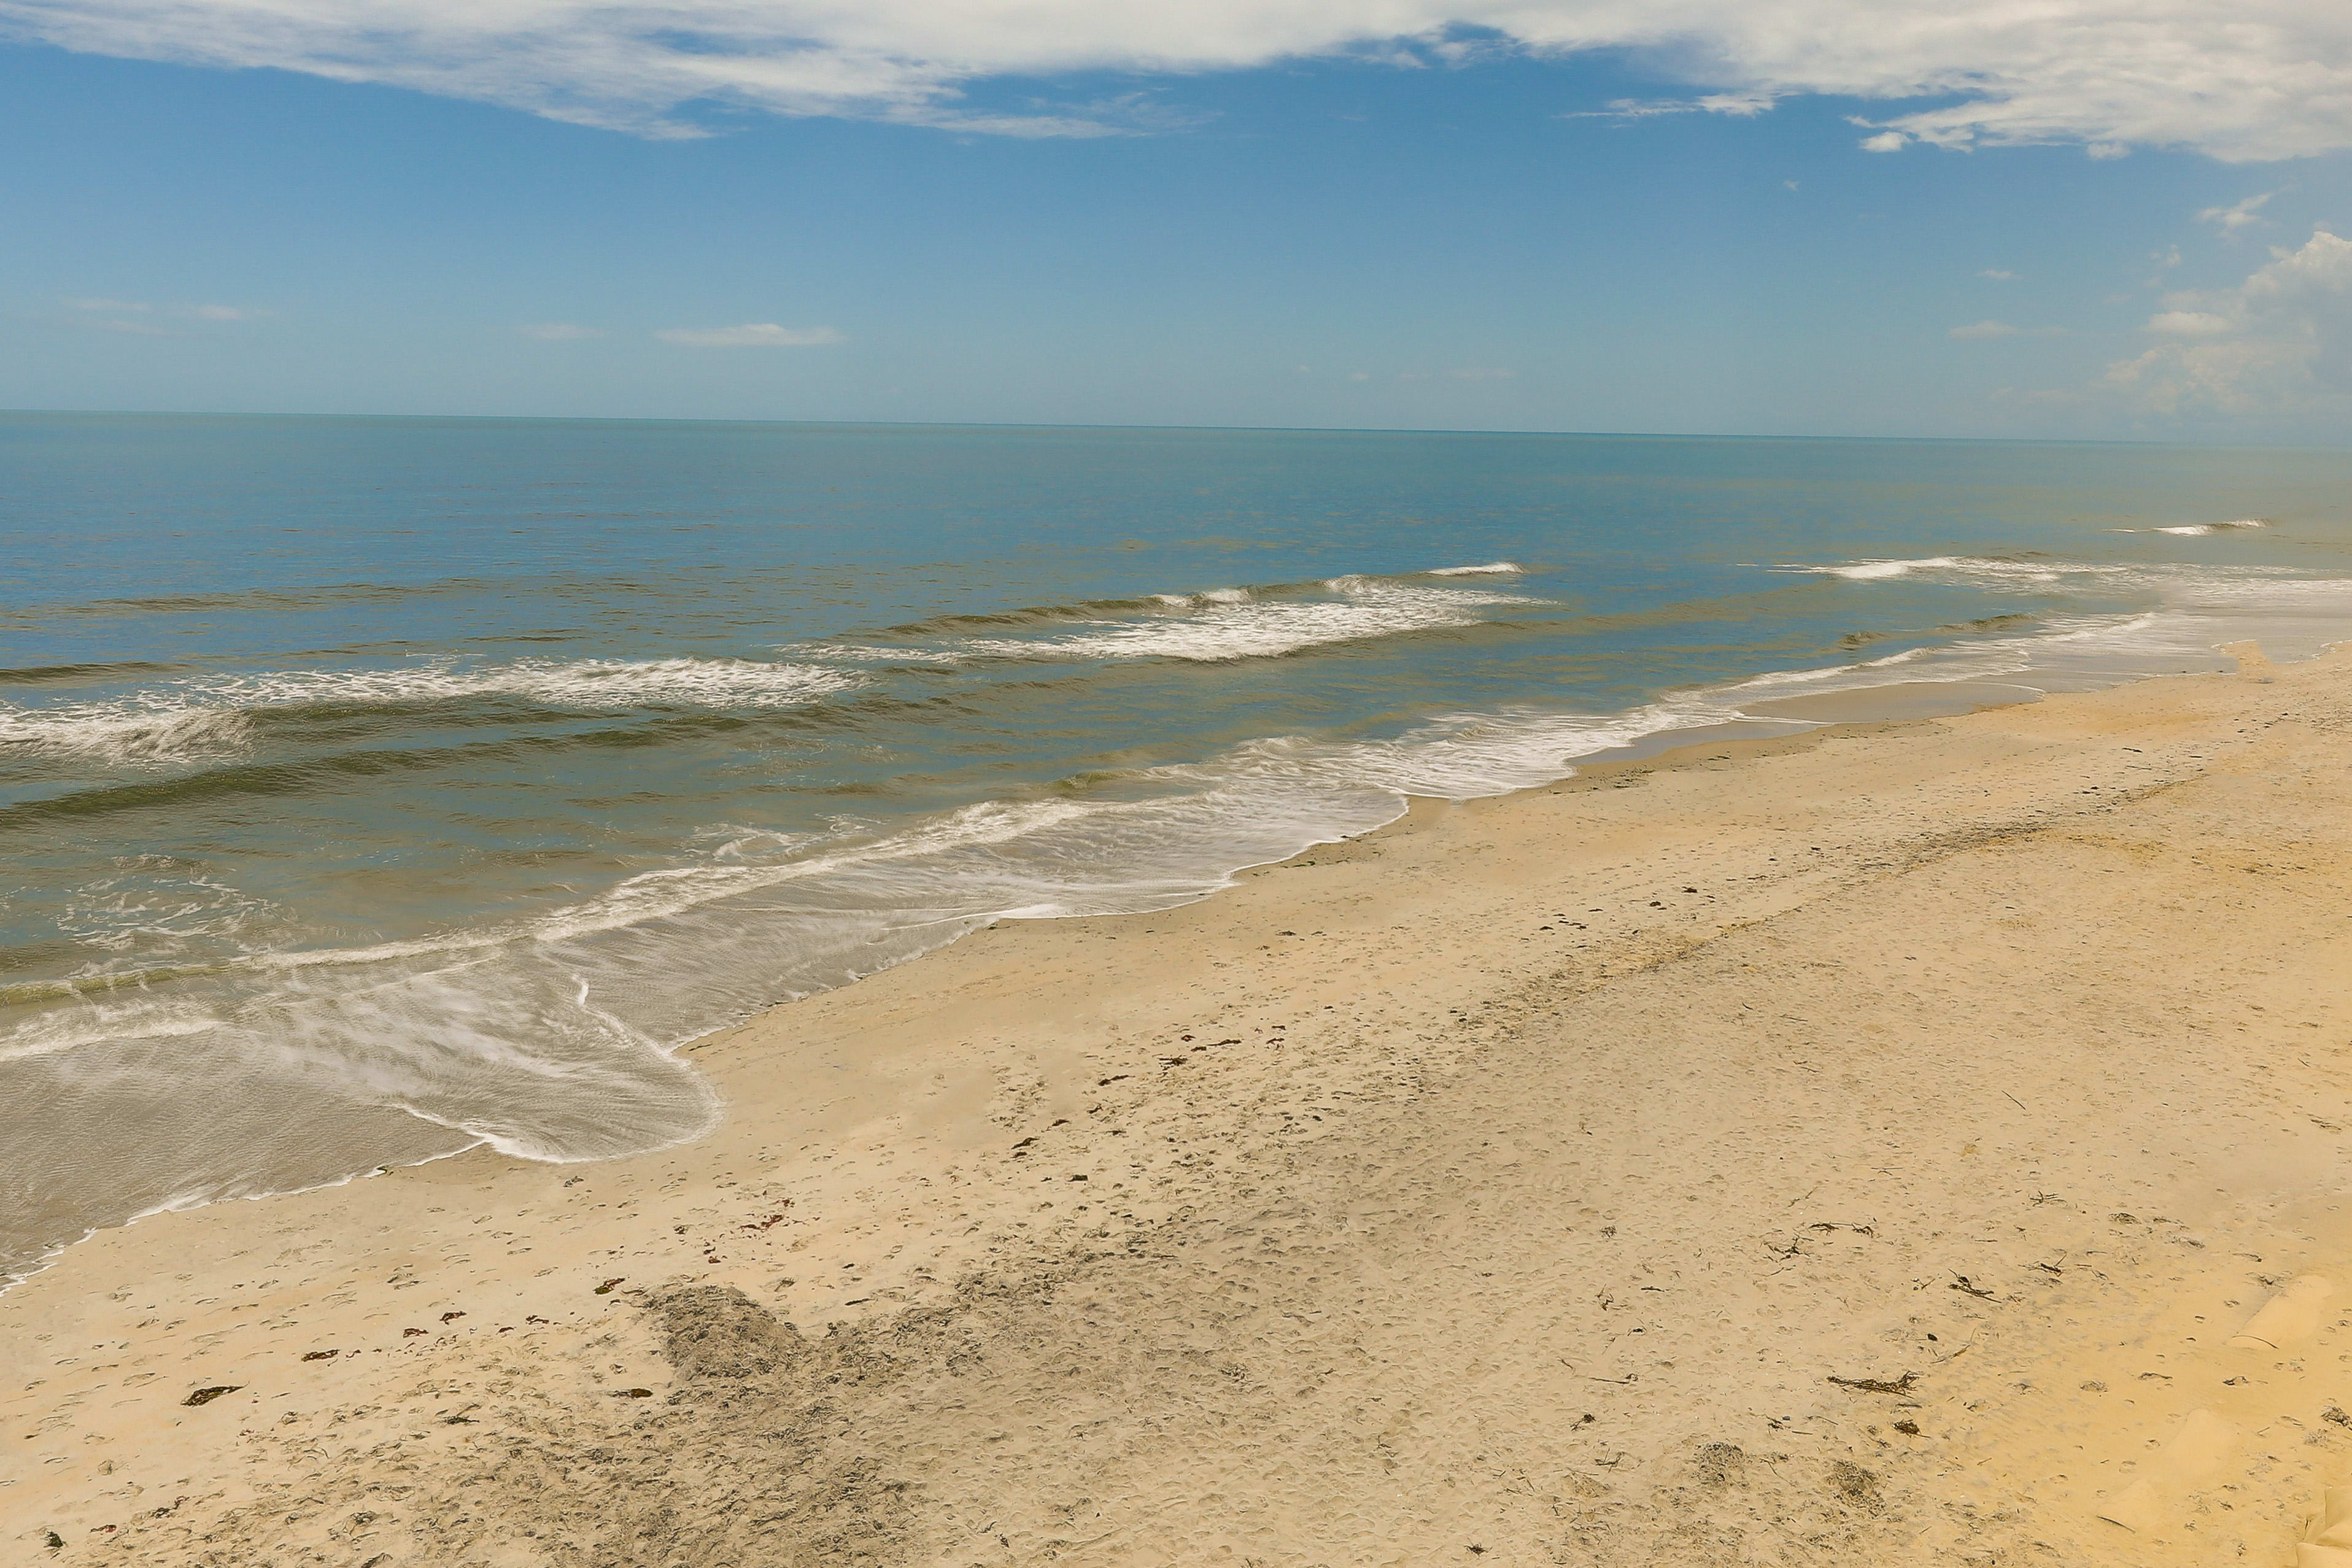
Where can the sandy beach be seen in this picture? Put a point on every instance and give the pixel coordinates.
(1907, 1143)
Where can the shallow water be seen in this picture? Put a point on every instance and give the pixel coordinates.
(370, 789)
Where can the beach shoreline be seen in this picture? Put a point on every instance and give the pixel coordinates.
(1514, 1177)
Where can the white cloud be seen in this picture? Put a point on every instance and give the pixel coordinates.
(1980, 329)
(2278, 344)
(142, 308)
(1886, 141)
(2229, 220)
(1999, 275)
(2189, 323)
(558, 331)
(751, 335)
(2253, 80)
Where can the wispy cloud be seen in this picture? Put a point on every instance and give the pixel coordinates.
(138, 317)
(1982, 329)
(2230, 219)
(144, 307)
(1999, 275)
(1744, 105)
(558, 331)
(2252, 80)
(751, 335)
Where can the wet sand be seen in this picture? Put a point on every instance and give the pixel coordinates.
(1880, 1145)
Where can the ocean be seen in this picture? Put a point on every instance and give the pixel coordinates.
(373, 789)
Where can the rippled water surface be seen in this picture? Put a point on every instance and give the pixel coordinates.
(370, 789)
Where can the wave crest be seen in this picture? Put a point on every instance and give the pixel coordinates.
(1215, 626)
(1492, 569)
(197, 717)
(1977, 571)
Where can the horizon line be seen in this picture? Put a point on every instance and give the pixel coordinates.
(1178, 429)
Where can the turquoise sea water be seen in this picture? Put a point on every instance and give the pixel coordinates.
(370, 789)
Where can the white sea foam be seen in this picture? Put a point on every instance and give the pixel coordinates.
(599, 685)
(2038, 574)
(1866, 570)
(2174, 584)
(1984, 571)
(1207, 626)
(2196, 610)
(1234, 624)
(1207, 596)
(2194, 530)
(2199, 530)
(196, 717)
(145, 728)
(100, 1022)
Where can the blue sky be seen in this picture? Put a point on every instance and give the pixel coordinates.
(1347, 237)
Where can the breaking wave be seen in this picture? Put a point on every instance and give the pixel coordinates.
(2199, 530)
(1213, 626)
(1981, 571)
(193, 717)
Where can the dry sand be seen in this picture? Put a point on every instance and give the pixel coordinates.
(1866, 1148)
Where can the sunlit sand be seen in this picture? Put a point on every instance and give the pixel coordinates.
(1914, 1142)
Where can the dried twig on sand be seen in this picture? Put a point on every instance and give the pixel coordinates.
(1878, 1384)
